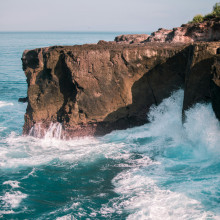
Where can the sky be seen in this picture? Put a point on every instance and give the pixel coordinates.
(99, 15)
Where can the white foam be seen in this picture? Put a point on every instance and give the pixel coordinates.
(30, 174)
(54, 131)
(2, 129)
(19, 151)
(66, 217)
(13, 184)
(3, 104)
(12, 199)
(141, 197)
(200, 131)
(202, 128)
(3, 212)
(139, 194)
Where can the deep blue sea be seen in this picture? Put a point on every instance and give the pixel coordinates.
(161, 170)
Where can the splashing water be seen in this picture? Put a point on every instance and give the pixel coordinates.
(162, 170)
(54, 131)
(3, 104)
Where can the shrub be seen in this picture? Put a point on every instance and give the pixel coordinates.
(216, 10)
(197, 19)
(214, 14)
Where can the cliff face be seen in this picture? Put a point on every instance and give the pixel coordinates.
(94, 89)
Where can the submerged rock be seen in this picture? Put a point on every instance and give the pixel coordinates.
(25, 99)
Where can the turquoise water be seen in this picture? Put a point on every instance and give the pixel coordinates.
(161, 170)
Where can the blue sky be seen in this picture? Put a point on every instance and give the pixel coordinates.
(98, 15)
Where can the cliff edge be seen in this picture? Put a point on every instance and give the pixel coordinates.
(94, 89)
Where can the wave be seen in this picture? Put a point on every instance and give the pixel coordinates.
(11, 198)
(3, 104)
(25, 151)
(168, 170)
(143, 199)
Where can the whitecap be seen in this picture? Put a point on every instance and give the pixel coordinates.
(20, 151)
(66, 217)
(143, 199)
(12, 199)
(13, 184)
(3, 104)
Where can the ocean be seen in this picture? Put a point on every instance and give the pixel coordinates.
(161, 170)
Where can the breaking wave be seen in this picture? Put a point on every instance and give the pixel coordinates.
(162, 170)
(3, 104)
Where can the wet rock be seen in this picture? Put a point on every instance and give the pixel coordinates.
(25, 99)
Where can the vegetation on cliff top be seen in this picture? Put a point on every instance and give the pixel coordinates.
(214, 14)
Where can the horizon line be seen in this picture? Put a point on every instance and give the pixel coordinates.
(68, 31)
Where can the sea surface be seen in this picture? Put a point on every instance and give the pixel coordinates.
(161, 170)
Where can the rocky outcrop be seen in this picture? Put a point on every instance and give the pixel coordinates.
(208, 30)
(188, 33)
(131, 38)
(94, 89)
(215, 86)
(201, 79)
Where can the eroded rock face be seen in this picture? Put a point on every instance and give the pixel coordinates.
(131, 38)
(94, 89)
(188, 33)
(215, 85)
(199, 74)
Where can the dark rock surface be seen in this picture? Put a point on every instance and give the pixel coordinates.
(25, 99)
(199, 73)
(215, 86)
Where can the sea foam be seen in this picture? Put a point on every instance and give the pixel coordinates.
(3, 104)
(164, 163)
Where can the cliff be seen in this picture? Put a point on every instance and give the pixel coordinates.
(94, 89)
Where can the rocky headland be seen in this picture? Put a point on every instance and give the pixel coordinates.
(94, 89)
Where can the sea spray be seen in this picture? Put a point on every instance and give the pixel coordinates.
(53, 131)
(159, 170)
(3, 104)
